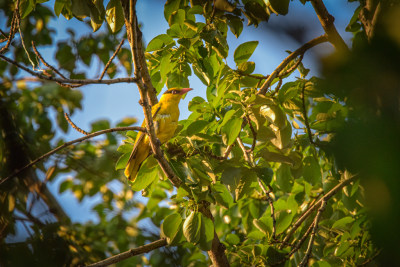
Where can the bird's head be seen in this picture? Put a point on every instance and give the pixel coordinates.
(174, 94)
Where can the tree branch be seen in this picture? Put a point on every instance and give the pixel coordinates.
(307, 213)
(266, 192)
(130, 253)
(305, 117)
(44, 61)
(147, 93)
(288, 59)
(326, 21)
(304, 262)
(111, 59)
(63, 82)
(118, 129)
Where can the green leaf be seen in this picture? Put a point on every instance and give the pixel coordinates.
(231, 176)
(170, 7)
(80, 9)
(177, 80)
(122, 161)
(232, 129)
(222, 196)
(235, 24)
(341, 223)
(58, 6)
(148, 173)
(115, 15)
(26, 7)
(284, 179)
(97, 13)
(244, 51)
(159, 42)
(196, 127)
(311, 170)
(68, 183)
(283, 220)
(191, 227)
(261, 226)
(247, 67)
(280, 6)
(206, 233)
(265, 174)
(232, 239)
(171, 226)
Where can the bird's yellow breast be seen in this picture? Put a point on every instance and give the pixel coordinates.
(166, 121)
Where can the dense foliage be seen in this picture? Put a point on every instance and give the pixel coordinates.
(295, 169)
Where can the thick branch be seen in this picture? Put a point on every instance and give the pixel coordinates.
(369, 16)
(118, 129)
(130, 253)
(137, 54)
(135, 40)
(69, 81)
(288, 59)
(326, 21)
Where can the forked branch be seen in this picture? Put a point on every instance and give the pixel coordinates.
(288, 59)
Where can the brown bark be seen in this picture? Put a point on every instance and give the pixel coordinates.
(326, 21)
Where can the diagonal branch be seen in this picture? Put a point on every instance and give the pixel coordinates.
(326, 197)
(304, 262)
(44, 61)
(111, 59)
(130, 253)
(118, 129)
(326, 21)
(288, 59)
(63, 82)
(137, 55)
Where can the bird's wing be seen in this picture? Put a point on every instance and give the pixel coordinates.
(142, 135)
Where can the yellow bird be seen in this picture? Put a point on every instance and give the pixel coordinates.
(165, 116)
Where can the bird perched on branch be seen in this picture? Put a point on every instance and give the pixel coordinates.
(165, 116)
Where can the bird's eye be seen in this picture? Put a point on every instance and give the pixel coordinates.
(174, 92)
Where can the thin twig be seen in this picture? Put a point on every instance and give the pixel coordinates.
(74, 125)
(130, 253)
(305, 117)
(13, 27)
(288, 59)
(292, 68)
(118, 129)
(326, 197)
(304, 262)
(326, 21)
(44, 62)
(111, 59)
(278, 86)
(69, 81)
(271, 205)
(227, 151)
(253, 131)
(301, 241)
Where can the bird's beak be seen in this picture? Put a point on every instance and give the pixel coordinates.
(185, 90)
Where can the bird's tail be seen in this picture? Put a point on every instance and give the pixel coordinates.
(132, 169)
(133, 166)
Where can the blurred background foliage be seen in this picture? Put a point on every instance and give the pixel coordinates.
(311, 132)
